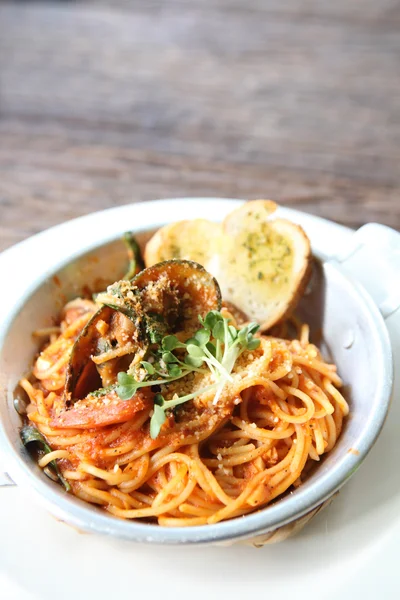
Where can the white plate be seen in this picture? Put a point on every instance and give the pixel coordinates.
(349, 551)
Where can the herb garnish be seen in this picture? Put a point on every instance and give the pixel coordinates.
(214, 348)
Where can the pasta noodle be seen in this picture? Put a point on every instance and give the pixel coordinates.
(284, 413)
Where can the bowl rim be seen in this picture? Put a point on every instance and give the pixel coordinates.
(88, 518)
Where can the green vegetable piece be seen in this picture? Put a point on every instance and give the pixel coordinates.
(253, 327)
(253, 344)
(170, 342)
(195, 351)
(127, 386)
(211, 348)
(233, 332)
(168, 357)
(125, 379)
(194, 362)
(202, 336)
(245, 335)
(174, 370)
(126, 392)
(219, 331)
(136, 263)
(192, 341)
(31, 435)
(157, 421)
(212, 318)
(148, 366)
(242, 335)
(159, 399)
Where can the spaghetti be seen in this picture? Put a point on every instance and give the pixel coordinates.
(211, 462)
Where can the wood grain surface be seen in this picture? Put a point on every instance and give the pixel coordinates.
(107, 103)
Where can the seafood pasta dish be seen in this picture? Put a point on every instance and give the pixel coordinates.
(188, 392)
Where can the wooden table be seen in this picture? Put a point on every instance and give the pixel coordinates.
(106, 103)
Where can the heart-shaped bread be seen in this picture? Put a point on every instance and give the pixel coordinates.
(261, 264)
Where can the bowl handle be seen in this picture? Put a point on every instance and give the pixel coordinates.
(373, 259)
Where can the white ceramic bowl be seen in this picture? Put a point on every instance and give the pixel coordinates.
(354, 334)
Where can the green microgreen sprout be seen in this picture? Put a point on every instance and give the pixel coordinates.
(214, 348)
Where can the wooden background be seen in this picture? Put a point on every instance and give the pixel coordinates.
(106, 103)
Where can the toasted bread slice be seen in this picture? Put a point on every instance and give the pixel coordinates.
(195, 240)
(248, 216)
(263, 264)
